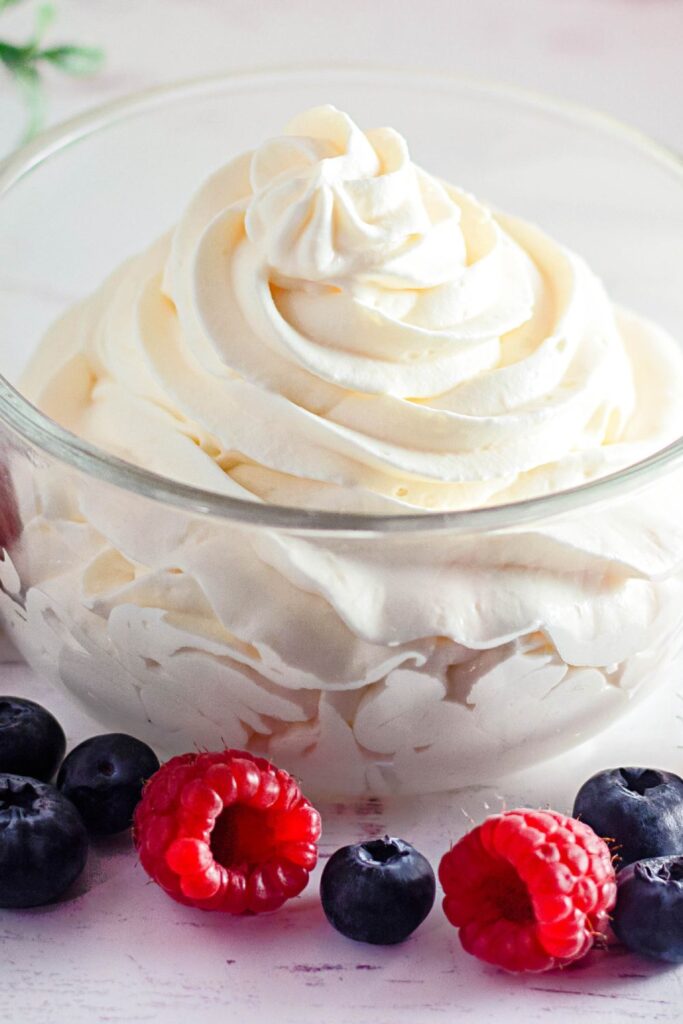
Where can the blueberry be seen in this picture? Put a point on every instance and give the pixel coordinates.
(639, 811)
(648, 917)
(378, 891)
(32, 741)
(43, 842)
(104, 776)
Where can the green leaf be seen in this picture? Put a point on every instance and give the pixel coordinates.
(12, 56)
(45, 16)
(22, 62)
(28, 80)
(74, 60)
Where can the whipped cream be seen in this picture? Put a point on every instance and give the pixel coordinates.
(329, 326)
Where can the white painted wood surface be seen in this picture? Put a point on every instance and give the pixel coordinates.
(118, 950)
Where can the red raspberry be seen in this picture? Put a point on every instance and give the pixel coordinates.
(529, 890)
(10, 521)
(226, 831)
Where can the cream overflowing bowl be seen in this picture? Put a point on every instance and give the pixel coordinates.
(331, 346)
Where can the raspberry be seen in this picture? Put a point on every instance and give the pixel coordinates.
(226, 831)
(10, 520)
(529, 890)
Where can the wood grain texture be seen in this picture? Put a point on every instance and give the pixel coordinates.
(118, 950)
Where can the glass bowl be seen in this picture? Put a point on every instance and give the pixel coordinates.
(364, 653)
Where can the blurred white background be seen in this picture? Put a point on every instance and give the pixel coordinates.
(622, 56)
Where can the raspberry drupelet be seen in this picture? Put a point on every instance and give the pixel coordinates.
(226, 831)
(528, 890)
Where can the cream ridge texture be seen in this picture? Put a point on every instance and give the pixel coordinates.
(331, 327)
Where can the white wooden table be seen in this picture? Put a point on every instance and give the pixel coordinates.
(118, 950)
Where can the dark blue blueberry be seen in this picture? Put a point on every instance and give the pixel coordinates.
(378, 891)
(639, 811)
(32, 741)
(104, 776)
(648, 917)
(43, 842)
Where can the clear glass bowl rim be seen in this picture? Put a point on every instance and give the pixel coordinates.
(33, 426)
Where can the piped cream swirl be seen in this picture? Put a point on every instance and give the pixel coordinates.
(330, 326)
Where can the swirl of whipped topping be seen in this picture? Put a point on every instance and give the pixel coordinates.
(329, 326)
